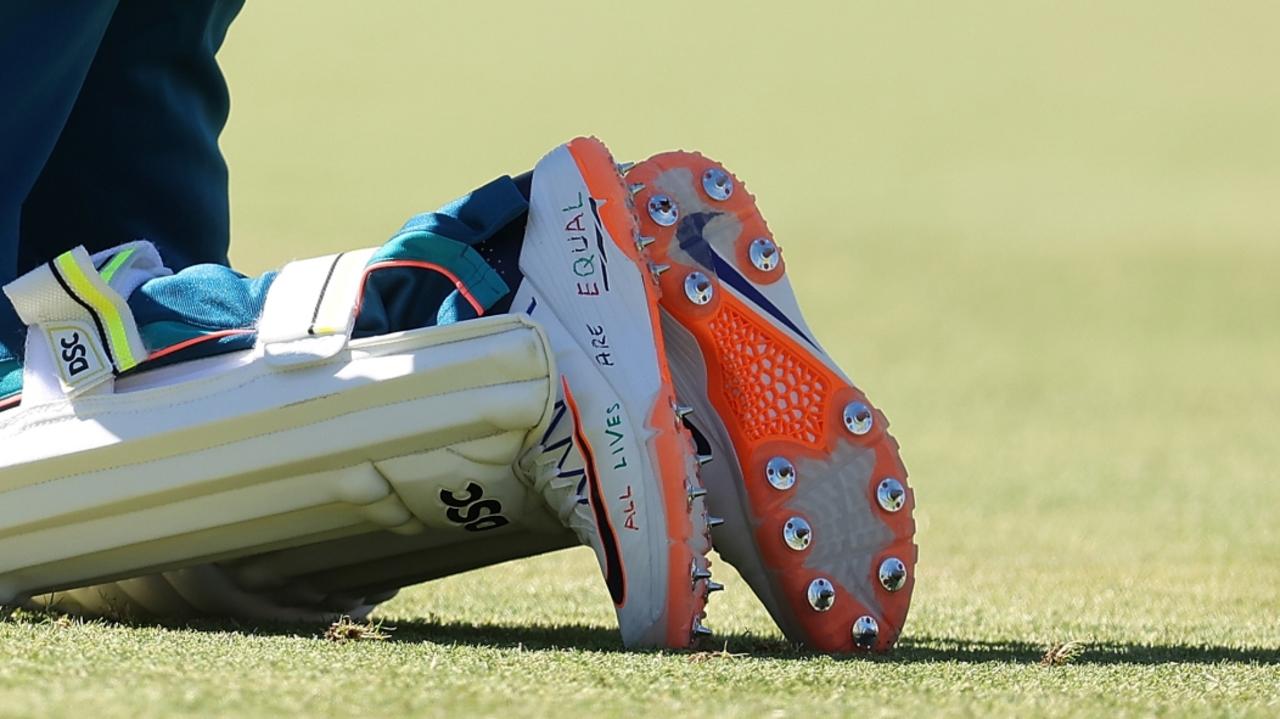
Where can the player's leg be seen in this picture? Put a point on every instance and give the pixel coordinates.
(323, 579)
(246, 415)
(45, 52)
(615, 464)
(139, 156)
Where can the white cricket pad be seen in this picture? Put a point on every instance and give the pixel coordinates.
(255, 452)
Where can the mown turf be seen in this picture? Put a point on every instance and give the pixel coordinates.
(1044, 238)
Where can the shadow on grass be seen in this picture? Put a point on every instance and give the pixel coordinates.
(910, 650)
(942, 649)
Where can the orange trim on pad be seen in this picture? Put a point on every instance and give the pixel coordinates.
(423, 265)
(171, 349)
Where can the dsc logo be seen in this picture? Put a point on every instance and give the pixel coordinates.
(79, 355)
(75, 355)
(471, 510)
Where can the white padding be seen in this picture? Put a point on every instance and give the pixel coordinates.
(311, 583)
(228, 456)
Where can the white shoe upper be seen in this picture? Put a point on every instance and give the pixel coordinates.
(615, 459)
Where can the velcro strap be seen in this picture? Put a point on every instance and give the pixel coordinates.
(86, 325)
(311, 308)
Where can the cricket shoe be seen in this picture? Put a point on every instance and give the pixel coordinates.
(819, 513)
(617, 465)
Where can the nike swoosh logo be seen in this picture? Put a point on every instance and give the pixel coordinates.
(692, 241)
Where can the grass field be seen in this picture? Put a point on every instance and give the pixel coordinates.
(1045, 237)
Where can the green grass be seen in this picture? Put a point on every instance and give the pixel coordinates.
(1044, 238)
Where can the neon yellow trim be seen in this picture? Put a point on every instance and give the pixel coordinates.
(117, 334)
(115, 264)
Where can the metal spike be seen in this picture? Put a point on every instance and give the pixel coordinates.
(644, 241)
(891, 494)
(797, 533)
(714, 522)
(705, 458)
(717, 184)
(780, 473)
(822, 594)
(764, 254)
(714, 587)
(698, 288)
(663, 210)
(893, 574)
(865, 631)
(858, 418)
(700, 629)
(658, 269)
(697, 492)
(700, 574)
(683, 410)
(625, 167)
(636, 187)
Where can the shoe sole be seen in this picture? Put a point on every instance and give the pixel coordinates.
(778, 396)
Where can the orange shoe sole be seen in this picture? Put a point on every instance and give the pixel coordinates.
(779, 397)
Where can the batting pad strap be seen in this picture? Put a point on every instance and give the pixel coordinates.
(311, 308)
(79, 321)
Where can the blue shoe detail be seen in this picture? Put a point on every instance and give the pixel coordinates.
(691, 239)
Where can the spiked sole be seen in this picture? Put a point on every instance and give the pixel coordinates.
(793, 419)
(688, 533)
